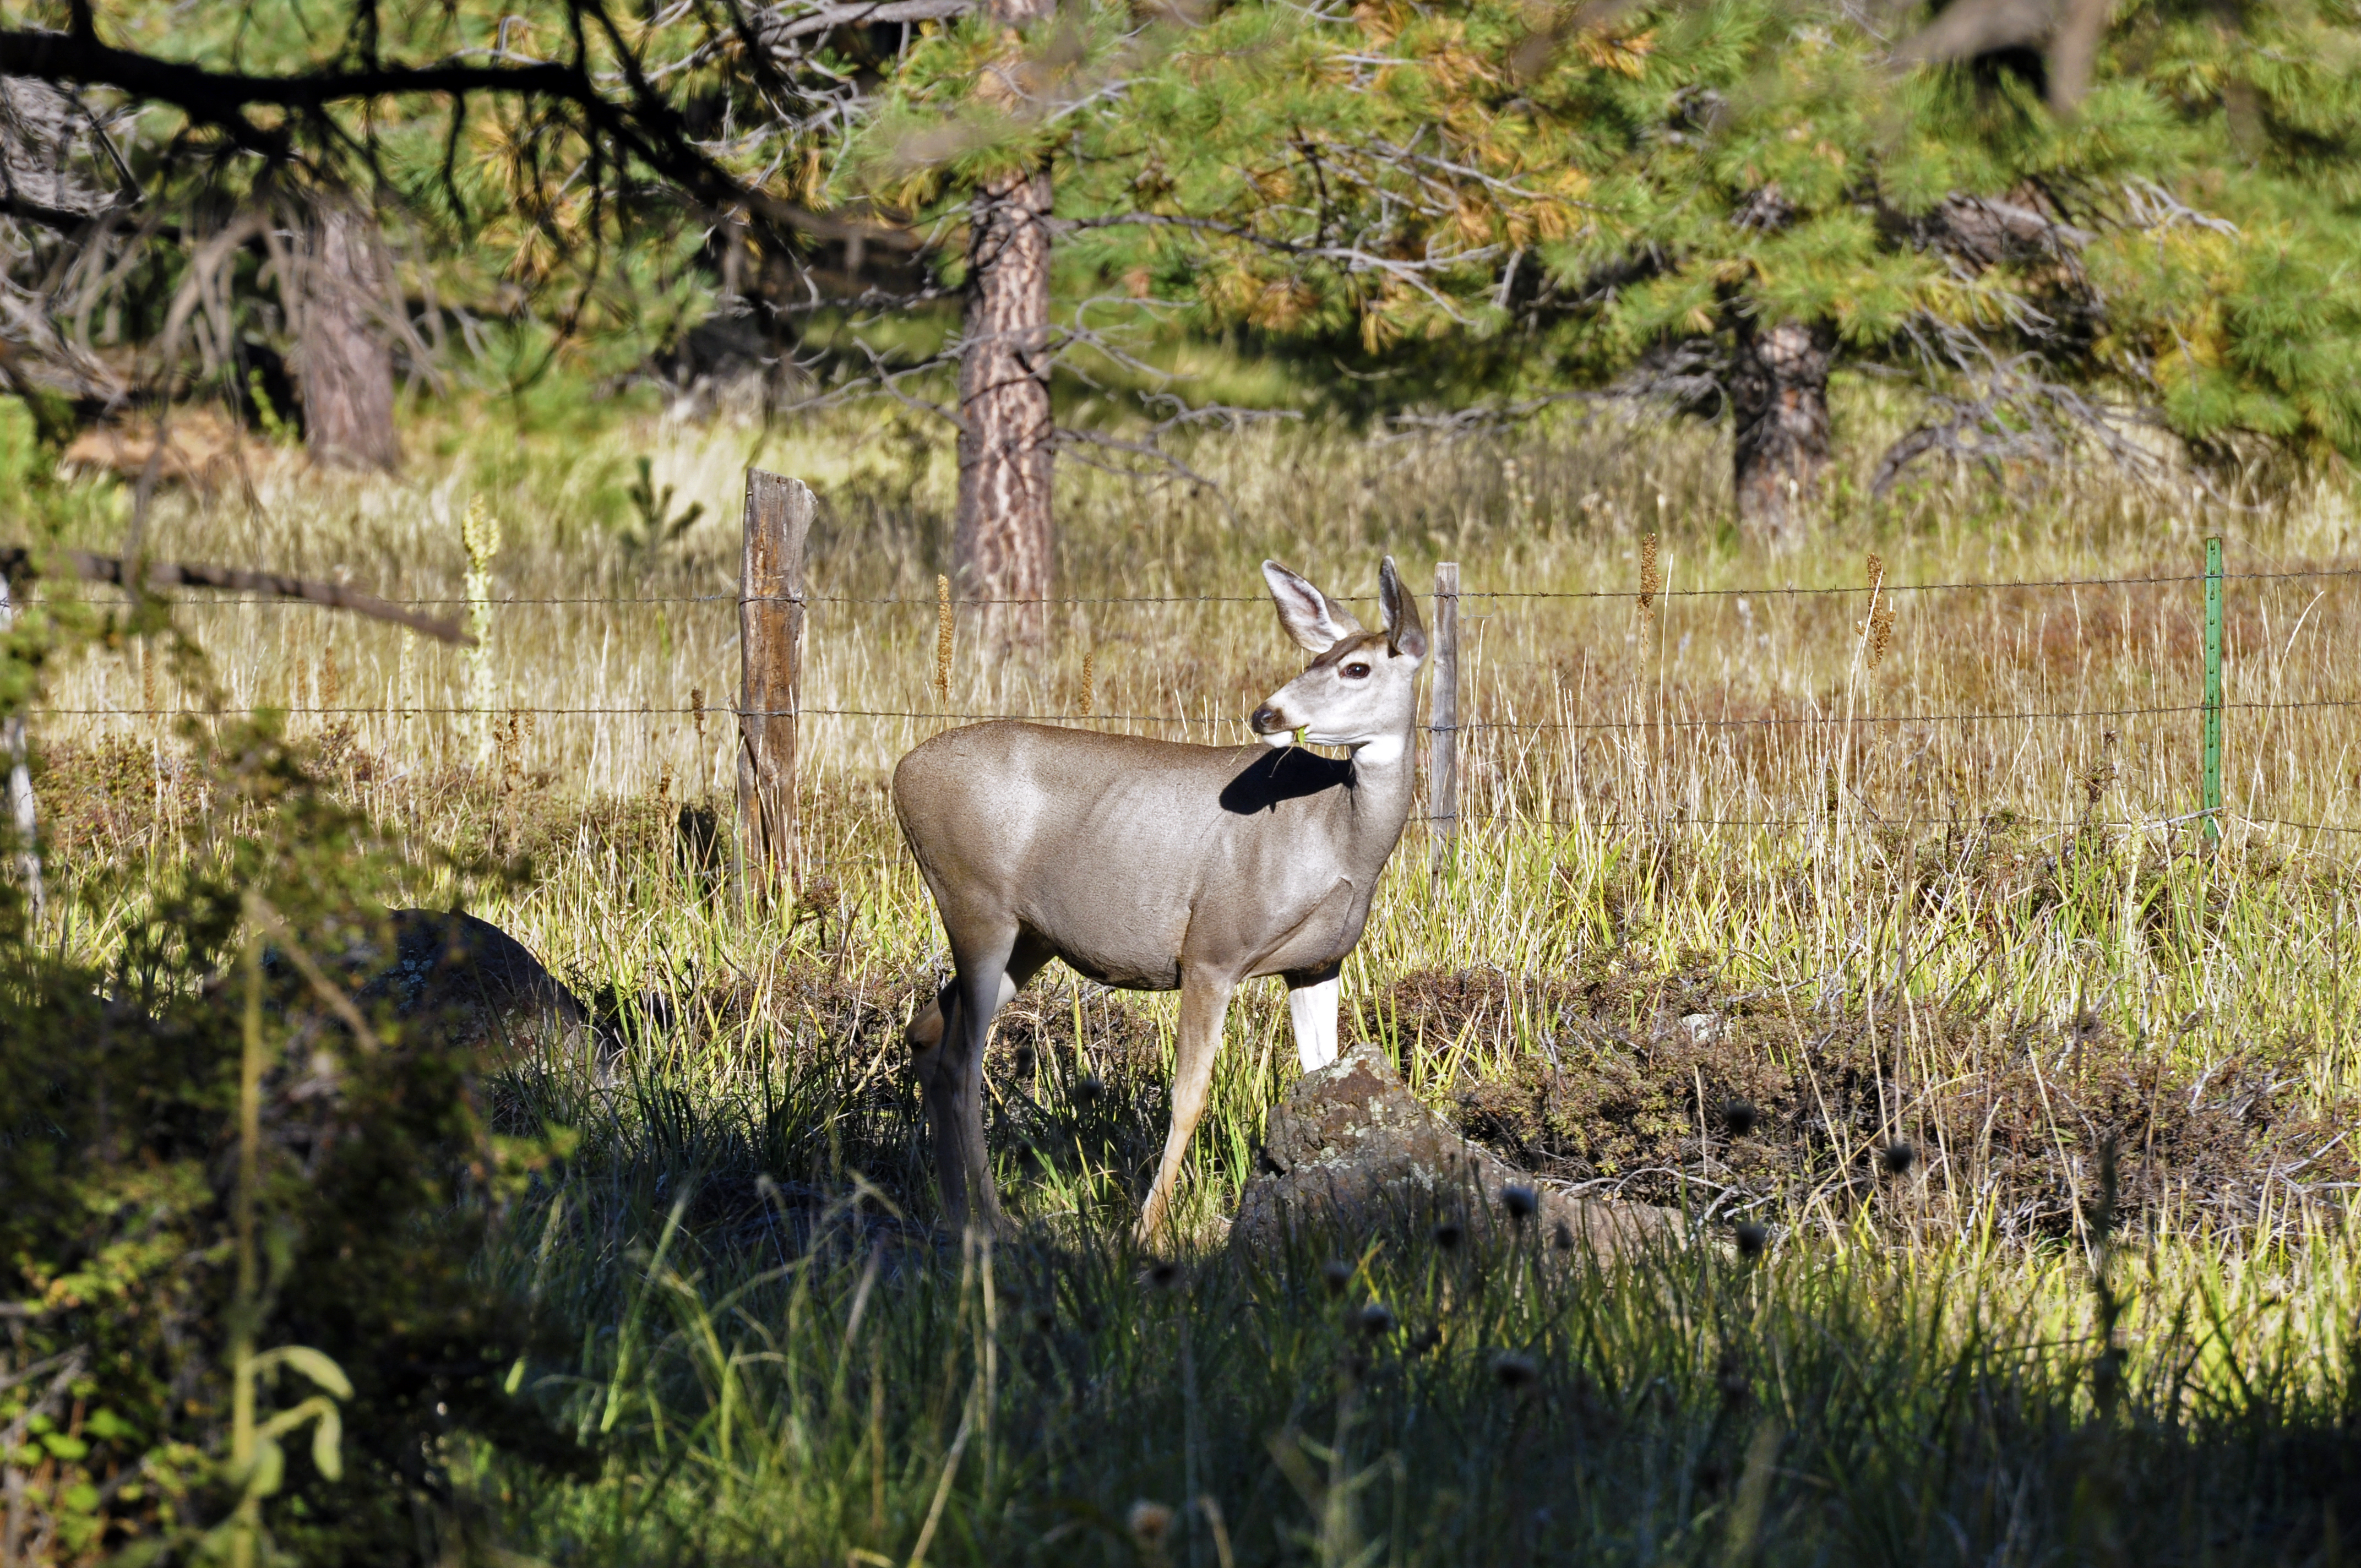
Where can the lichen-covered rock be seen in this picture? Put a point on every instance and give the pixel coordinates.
(473, 983)
(443, 978)
(1351, 1149)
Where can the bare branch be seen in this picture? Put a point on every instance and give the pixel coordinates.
(776, 31)
(646, 128)
(18, 563)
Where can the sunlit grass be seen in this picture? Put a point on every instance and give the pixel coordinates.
(1972, 896)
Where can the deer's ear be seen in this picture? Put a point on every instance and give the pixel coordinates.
(1314, 623)
(1405, 633)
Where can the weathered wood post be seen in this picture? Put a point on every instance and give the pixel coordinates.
(1443, 719)
(22, 812)
(771, 653)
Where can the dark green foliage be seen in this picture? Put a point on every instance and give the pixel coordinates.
(379, 1186)
(1482, 198)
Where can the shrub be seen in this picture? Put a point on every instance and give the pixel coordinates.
(207, 1174)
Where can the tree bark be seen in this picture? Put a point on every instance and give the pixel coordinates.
(1779, 404)
(1002, 543)
(344, 363)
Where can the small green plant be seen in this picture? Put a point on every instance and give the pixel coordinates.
(659, 528)
(266, 412)
(154, 1290)
(258, 1463)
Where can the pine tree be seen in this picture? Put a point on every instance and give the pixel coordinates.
(545, 177)
(1721, 204)
(1724, 203)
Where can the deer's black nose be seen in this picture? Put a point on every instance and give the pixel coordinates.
(1267, 721)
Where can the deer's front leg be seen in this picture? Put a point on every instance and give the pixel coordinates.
(1312, 1006)
(1204, 1002)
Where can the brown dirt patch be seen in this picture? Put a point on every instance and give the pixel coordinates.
(1626, 1081)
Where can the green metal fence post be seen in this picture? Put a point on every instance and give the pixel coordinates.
(2214, 689)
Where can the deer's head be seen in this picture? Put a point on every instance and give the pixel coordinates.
(1361, 689)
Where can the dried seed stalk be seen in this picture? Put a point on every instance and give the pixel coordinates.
(942, 639)
(1651, 578)
(1877, 632)
(479, 533)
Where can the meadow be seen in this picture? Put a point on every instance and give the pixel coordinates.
(1767, 866)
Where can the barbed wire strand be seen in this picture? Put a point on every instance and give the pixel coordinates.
(724, 711)
(1872, 820)
(1549, 725)
(1757, 591)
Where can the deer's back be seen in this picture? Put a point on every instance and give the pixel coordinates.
(1008, 794)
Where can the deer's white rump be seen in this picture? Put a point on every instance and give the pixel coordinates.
(1155, 866)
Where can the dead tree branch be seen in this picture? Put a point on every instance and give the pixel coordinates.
(19, 564)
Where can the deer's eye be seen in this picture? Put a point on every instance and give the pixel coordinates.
(1357, 672)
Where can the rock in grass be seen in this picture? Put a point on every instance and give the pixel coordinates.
(1351, 1149)
(477, 984)
(454, 980)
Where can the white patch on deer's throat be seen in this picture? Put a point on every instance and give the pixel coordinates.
(1385, 748)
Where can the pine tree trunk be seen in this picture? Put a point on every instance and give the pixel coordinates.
(1779, 403)
(1002, 543)
(345, 365)
(1001, 540)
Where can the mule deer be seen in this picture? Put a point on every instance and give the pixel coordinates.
(1152, 865)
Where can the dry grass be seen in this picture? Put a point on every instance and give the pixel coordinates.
(2000, 942)
(1655, 702)
(1712, 785)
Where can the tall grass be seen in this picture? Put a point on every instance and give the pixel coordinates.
(1729, 772)
(606, 633)
(858, 1399)
(771, 1369)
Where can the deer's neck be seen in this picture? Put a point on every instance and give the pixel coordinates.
(1378, 805)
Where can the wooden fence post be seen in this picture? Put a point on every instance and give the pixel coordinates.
(1443, 726)
(770, 655)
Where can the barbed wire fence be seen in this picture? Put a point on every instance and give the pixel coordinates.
(773, 605)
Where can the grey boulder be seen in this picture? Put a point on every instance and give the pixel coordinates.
(475, 986)
(446, 978)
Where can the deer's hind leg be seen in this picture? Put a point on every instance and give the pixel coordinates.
(1311, 1008)
(950, 1068)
